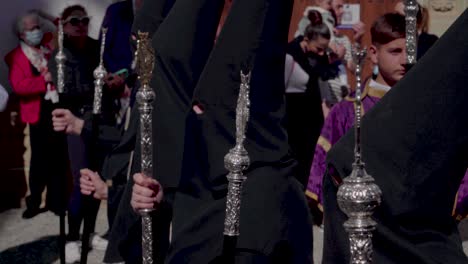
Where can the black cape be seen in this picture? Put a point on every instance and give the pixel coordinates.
(182, 41)
(275, 224)
(415, 145)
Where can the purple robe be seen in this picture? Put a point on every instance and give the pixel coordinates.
(460, 210)
(338, 122)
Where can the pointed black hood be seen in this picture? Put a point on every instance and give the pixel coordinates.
(241, 46)
(415, 145)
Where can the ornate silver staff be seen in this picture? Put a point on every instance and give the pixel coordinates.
(411, 11)
(145, 98)
(60, 58)
(237, 160)
(358, 196)
(99, 75)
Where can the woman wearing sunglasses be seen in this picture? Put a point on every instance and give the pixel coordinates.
(82, 53)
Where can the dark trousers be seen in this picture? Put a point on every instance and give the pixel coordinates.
(48, 163)
(78, 160)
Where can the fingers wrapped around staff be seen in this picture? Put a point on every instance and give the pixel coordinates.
(86, 184)
(147, 192)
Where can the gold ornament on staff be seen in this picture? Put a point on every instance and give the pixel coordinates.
(145, 98)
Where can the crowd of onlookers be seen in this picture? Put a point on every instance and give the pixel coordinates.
(58, 123)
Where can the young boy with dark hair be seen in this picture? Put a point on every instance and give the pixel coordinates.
(388, 52)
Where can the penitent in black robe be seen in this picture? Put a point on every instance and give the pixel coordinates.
(415, 145)
(182, 41)
(275, 224)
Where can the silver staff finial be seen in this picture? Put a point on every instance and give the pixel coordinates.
(411, 11)
(237, 160)
(99, 75)
(145, 98)
(358, 196)
(60, 58)
(359, 57)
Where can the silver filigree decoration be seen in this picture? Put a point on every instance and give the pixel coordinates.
(361, 244)
(237, 160)
(411, 11)
(60, 59)
(145, 98)
(358, 196)
(99, 75)
(147, 237)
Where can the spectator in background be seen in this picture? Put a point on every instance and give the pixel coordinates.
(30, 79)
(339, 50)
(338, 88)
(358, 28)
(118, 21)
(118, 53)
(323, 7)
(3, 98)
(82, 54)
(306, 64)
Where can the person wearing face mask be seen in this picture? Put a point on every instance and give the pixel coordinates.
(306, 64)
(30, 80)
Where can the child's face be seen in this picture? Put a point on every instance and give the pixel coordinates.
(391, 59)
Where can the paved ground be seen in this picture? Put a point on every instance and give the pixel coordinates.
(34, 241)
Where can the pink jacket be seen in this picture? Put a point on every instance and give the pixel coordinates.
(25, 84)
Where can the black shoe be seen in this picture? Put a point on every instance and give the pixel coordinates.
(30, 213)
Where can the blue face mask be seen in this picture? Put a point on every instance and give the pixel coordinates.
(33, 37)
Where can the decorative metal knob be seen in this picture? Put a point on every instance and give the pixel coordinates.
(358, 196)
(237, 160)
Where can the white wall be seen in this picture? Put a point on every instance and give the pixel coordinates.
(12, 8)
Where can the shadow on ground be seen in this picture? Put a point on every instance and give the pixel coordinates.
(41, 251)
